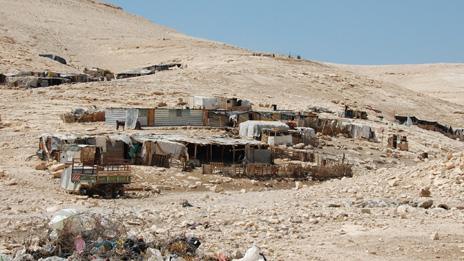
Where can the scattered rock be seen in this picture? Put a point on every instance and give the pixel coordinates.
(298, 185)
(366, 211)
(426, 204)
(403, 210)
(393, 183)
(443, 206)
(450, 165)
(217, 189)
(425, 192)
(435, 236)
(12, 182)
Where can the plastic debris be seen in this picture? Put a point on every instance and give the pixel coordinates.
(186, 204)
(58, 220)
(252, 254)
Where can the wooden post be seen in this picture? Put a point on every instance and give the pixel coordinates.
(222, 154)
(233, 154)
(210, 152)
(195, 152)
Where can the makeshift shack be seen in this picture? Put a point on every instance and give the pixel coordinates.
(234, 104)
(356, 131)
(159, 152)
(35, 82)
(458, 133)
(354, 114)
(54, 57)
(212, 149)
(98, 74)
(86, 154)
(333, 127)
(146, 70)
(304, 135)
(116, 148)
(253, 129)
(75, 77)
(130, 116)
(51, 146)
(219, 119)
(428, 125)
(2, 79)
(134, 73)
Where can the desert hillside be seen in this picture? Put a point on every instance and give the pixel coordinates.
(89, 34)
(403, 199)
(444, 81)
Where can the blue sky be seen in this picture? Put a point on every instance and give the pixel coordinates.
(342, 31)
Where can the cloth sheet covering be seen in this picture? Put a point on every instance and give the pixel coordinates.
(209, 103)
(100, 141)
(253, 129)
(160, 147)
(361, 131)
(131, 118)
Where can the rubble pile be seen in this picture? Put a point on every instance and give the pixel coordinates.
(83, 115)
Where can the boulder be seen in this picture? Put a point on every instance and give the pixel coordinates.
(426, 204)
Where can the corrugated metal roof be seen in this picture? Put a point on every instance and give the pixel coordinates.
(216, 140)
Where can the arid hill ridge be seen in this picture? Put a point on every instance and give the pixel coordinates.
(88, 33)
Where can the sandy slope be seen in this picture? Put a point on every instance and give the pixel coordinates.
(90, 34)
(444, 81)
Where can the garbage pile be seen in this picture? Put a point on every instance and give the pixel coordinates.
(85, 236)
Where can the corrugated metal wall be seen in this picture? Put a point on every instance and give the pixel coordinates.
(114, 114)
(143, 117)
(178, 117)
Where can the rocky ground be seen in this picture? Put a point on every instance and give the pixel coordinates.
(377, 214)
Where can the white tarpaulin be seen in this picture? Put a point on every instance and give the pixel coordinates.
(253, 129)
(124, 138)
(200, 102)
(176, 150)
(280, 140)
(131, 118)
(162, 147)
